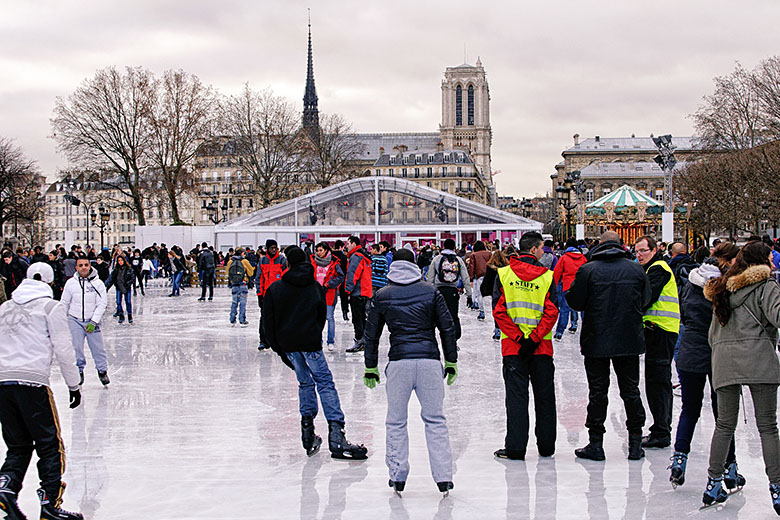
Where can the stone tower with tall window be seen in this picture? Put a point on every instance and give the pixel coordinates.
(465, 114)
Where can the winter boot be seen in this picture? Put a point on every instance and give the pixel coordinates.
(635, 451)
(121, 318)
(52, 511)
(652, 441)
(504, 453)
(444, 487)
(8, 504)
(357, 347)
(103, 376)
(311, 441)
(714, 492)
(593, 451)
(677, 473)
(340, 447)
(774, 492)
(731, 478)
(129, 318)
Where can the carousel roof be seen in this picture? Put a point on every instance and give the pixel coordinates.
(623, 197)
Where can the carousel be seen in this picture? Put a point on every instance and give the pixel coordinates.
(628, 212)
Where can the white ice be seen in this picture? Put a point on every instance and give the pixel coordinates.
(197, 424)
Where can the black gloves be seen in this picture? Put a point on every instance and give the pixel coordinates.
(75, 398)
(469, 302)
(527, 347)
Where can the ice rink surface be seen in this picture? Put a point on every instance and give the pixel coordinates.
(197, 424)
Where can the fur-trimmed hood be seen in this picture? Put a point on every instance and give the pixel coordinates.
(749, 277)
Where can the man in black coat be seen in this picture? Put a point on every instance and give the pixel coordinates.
(613, 292)
(207, 269)
(14, 270)
(294, 313)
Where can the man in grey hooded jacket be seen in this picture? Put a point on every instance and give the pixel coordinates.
(447, 270)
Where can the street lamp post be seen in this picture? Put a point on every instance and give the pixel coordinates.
(666, 160)
(105, 216)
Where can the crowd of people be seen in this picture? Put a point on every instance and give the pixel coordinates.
(713, 314)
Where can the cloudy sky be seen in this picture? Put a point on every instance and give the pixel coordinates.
(593, 67)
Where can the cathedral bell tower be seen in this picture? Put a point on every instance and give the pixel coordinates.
(465, 114)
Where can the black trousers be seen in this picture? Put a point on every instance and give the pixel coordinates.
(261, 330)
(207, 281)
(358, 306)
(452, 298)
(540, 371)
(344, 299)
(139, 280)
(658, 378)
(29, 422)
(627, 372)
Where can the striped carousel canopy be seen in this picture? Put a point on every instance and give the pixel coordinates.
(624, 197)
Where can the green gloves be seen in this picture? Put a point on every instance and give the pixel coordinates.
(371, 377)
(450, 371)
(90, 327)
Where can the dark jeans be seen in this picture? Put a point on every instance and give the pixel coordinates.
(658, 378)
(692, 387)
(451, 298)
(311, 370)
(358, 305)
(29, 420)
(128, 303)
(627, 372)
(207, 280)
(540, 371)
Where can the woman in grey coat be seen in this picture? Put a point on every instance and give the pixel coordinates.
(743, 336)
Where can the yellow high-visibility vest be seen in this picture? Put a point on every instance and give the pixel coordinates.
(665, 312)
(525, 299)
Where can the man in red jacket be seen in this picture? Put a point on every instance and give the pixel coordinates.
(269, 269)
(358, 286)
(564, 273)
(526, 311)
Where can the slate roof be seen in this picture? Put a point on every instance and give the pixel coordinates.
(643, 169)
(414, 141)
(630, 144)
(424, 157)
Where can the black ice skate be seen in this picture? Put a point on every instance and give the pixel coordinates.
(8, 505)
(397, 485)
(444, 487)
(340, 447)
(103, 376)
(311, 441)
(51, 511)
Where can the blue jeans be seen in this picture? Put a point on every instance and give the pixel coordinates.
(127, 302)
(239, 293)
(331, 322)
(564, 313)
(176, 280)
(311, 369)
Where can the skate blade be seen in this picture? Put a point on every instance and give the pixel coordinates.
(445, 494)
(398, 493)
(714, 505)
(314, 450)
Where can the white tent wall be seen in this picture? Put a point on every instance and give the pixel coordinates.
(183, 236)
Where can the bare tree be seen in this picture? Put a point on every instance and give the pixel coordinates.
(20, 185)
(267, 141)
(766, 80)
(332, 151)
(180, 117)
(104, 126)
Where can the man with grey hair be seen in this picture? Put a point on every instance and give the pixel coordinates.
(613, 292)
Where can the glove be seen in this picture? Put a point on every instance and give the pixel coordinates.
(527, 347)
(90, 327)
(371, 377)
(75, 398)
(450, 372)
(469, 302)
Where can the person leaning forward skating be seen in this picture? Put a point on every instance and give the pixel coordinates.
(413, 310)
(526, 313)
(294, 313)
(34, 329)
(613, 292)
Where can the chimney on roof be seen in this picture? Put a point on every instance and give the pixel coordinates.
(598, 139)
(403, 148)
(576, 139)
(439, 146)
(381, 151)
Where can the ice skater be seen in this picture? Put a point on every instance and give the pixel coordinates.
(34, 328)
(294, 313)
(122, 278)
(413, 310)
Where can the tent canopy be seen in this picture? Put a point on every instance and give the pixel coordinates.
(624, 198)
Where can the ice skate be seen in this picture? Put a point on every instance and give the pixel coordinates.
(81, 376)
(774, 492)
(496, 336)
(50, 511)
(732, 479)
(504, 453)
(677, 473)
(444, 488)
(311, 441)
(397, 485)
(262, 346)
(714, 494)
(103, 376)
(121, 318)
(8, 504)
(356, 347)
(129, 318)
(340, 447)
(331, 347)
(481, 316)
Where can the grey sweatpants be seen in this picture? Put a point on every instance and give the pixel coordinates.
(424, 376)
(765, 405)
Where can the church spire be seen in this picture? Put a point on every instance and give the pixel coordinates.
(311, 118)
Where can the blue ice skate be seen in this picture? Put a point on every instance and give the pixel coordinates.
(677, 473)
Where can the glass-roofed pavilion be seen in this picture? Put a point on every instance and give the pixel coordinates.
(374, 208)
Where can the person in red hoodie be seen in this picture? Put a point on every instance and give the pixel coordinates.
(358, 286)
(270, 268)
(526, 311)
(563, 275)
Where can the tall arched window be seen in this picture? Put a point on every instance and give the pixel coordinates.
(471, 105)
(458, 106)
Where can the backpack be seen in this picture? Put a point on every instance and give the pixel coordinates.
(236, 273)
(547, 260)
(449, 269)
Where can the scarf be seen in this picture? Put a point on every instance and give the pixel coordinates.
(322, 262)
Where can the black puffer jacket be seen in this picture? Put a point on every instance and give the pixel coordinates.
(122, 278)
(294, 312)
(206, 261)
(695, 353)
(412, 310)
(612, 291)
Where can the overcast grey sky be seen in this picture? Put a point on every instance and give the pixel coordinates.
(555, 68)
